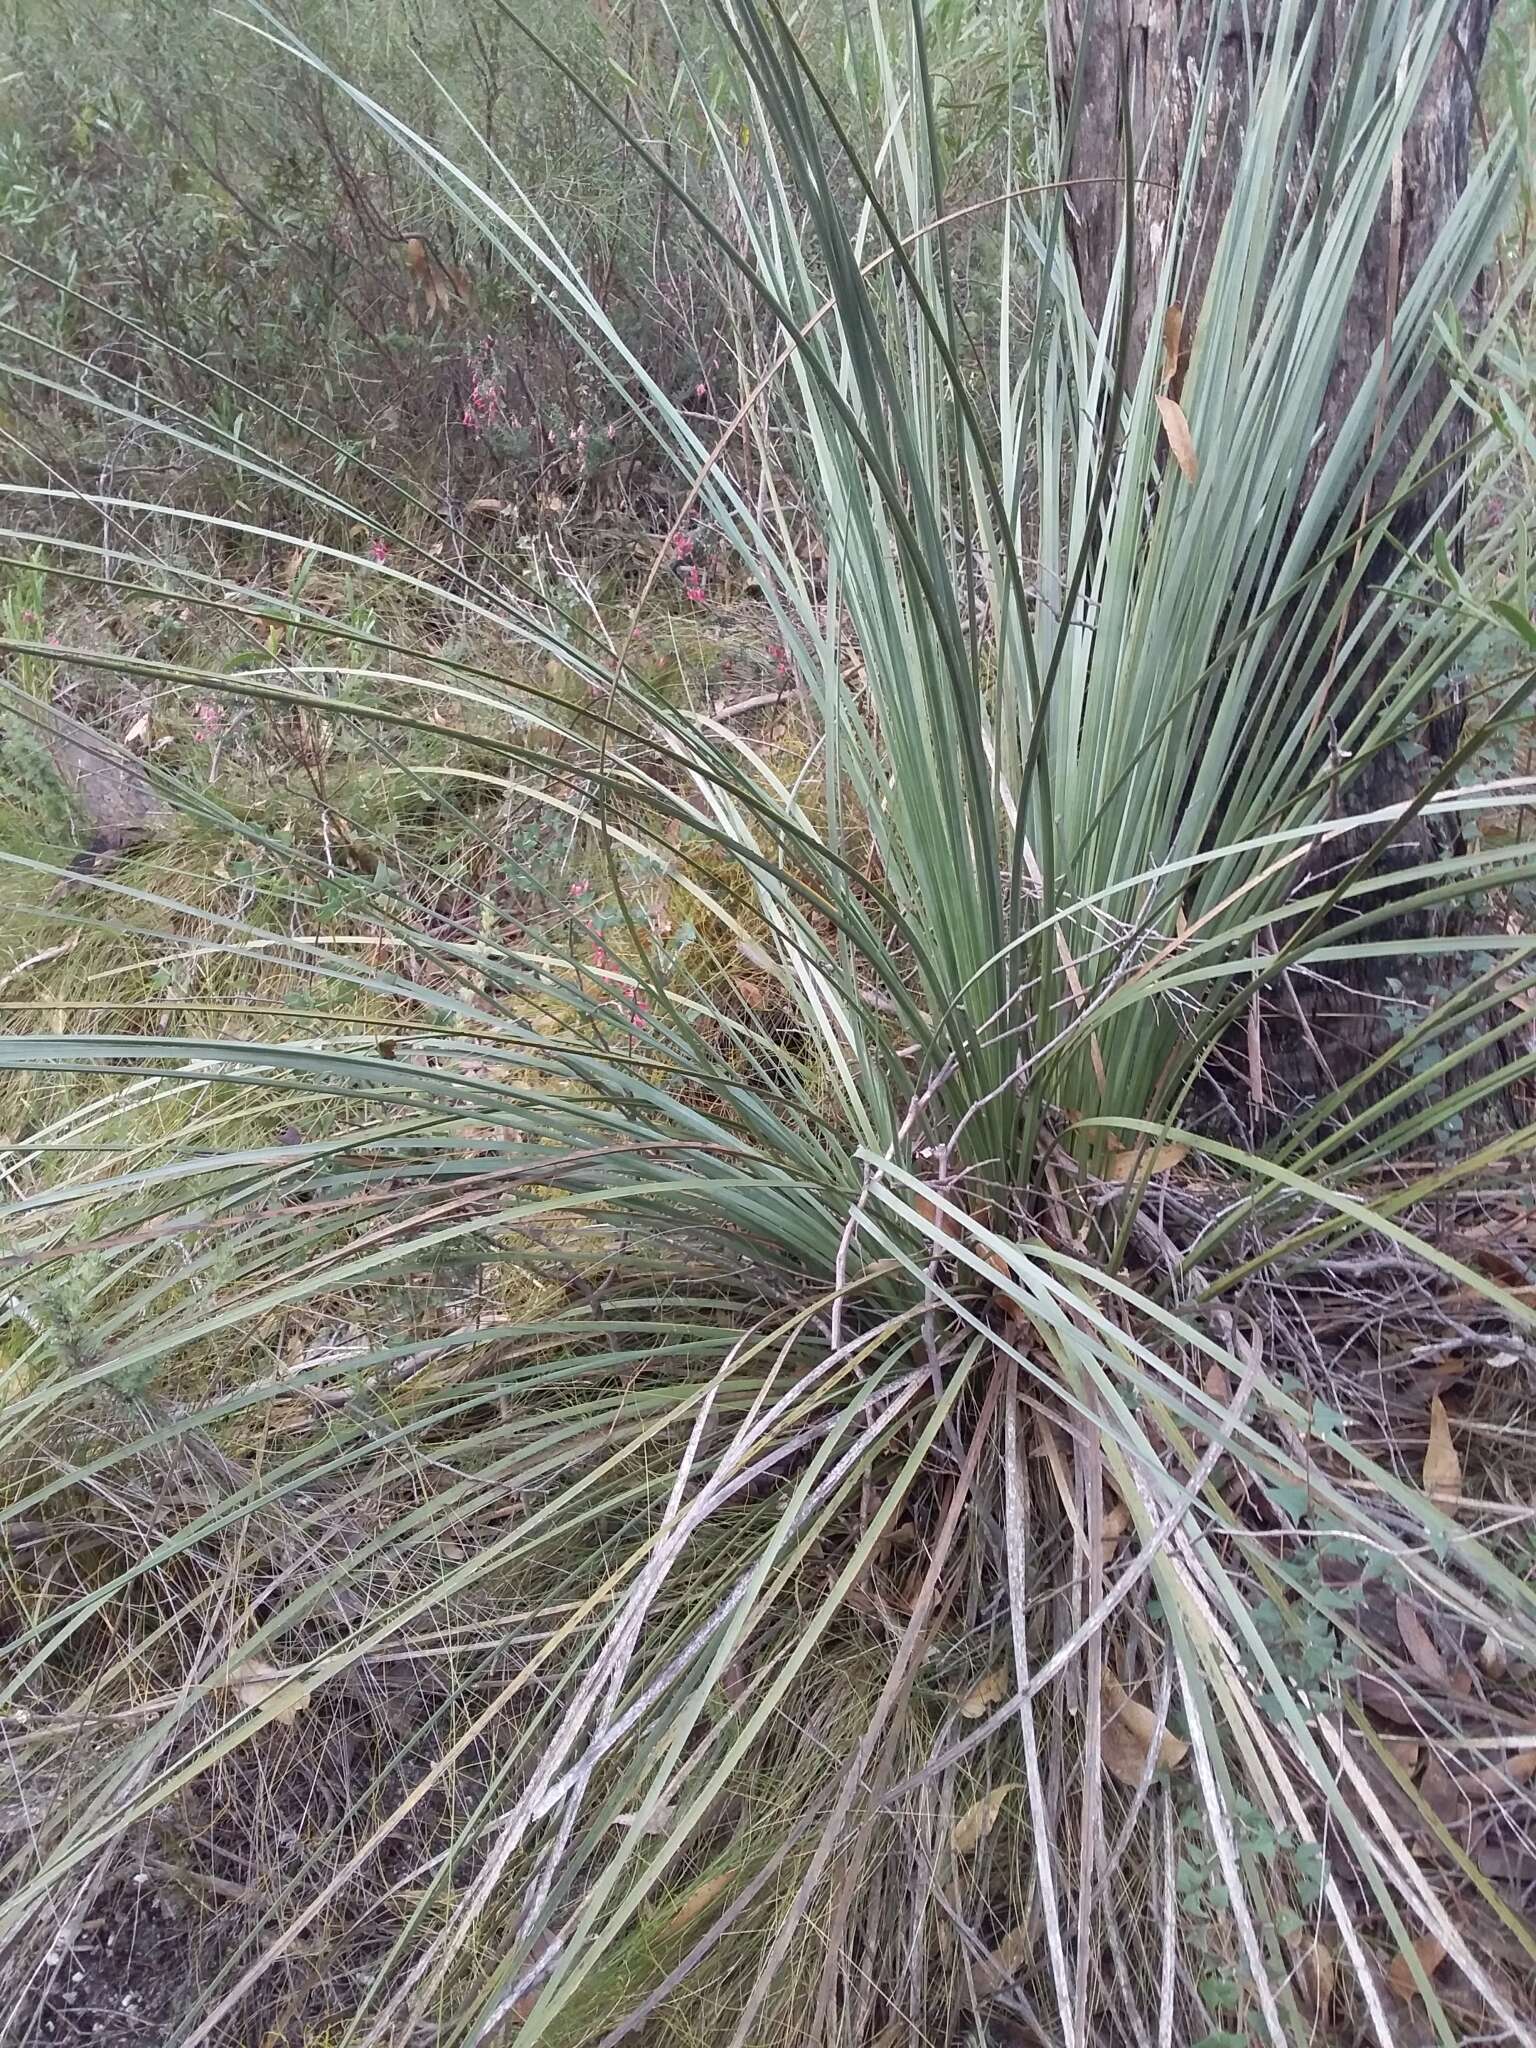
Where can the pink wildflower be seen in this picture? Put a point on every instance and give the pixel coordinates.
(378, 551)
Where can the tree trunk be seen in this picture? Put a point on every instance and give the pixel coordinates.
(1138, 60)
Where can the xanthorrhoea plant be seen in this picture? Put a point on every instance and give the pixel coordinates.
(872, 1541)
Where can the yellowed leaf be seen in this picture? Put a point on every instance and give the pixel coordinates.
(1316, 1972)
(986, 1692)
(1442, 1467)
(1112, 1533)
(1014, 1950)
(1518, 1768)
(1446, 1797)
(699, 1900)
(1129, 1730)
(1431, 1954)
(282, 1695)
(1180, 441)
(998, 1969)
(1418, 1642)
(978, 1821)
(1173, 335)
(1160, 1159)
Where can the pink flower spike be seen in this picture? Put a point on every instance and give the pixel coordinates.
(379, 551)
(700, 390)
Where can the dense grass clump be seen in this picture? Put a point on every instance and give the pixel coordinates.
(706, 1340)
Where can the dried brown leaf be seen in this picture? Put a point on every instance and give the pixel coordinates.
(1418, 1642)
(1492, 1658)
(1217, 1385)
(1316, 1973)
(1014, 1950)
(1431, 1953)
(1113, 1530)
(1403, 1751)
(1129, 1730)
(1161, 1159)
(1180, 441)
(993, 1972)
(699, 1901)
(1386, 1701)
(986, 1692)
(282, 1695)
(1442, 1467)
(1446, 1797)
(978, 1821)
(1173, 335)
(1518, 1769)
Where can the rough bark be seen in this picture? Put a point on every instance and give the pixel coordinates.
(1137, 61)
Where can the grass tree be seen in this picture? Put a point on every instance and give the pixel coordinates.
(835, 1480)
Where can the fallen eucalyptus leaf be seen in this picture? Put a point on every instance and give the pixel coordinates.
(1431, 1953)
(1442, 1467)
(978, 1821)
(1129, 1731)
(1418, 1642)
(1180, 441)
(1161, 1159)
(986, 1692)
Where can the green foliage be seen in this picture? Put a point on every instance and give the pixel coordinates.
(702, 1232)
